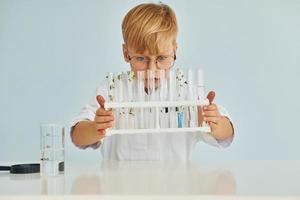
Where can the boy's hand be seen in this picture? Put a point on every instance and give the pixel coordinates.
(210, 112)
(104, 118)
(221, 127)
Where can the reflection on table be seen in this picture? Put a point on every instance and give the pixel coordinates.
(155, 178)
(231, 178)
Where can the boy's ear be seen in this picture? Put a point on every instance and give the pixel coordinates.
(125, 53)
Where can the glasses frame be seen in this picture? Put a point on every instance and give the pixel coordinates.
(156, 61)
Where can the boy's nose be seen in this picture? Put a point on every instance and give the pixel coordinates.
(152, 65)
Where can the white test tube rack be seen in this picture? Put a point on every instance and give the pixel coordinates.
(157, 105)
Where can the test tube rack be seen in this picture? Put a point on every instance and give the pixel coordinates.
(167, 102)
(157, 105)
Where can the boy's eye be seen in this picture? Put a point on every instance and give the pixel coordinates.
(140, 58)
(161, 58)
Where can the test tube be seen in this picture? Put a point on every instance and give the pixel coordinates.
(162, 91)
(119, 117)
(110, 86)
(151, 112)
(162, 85)
(126, 95)
(180, 86)
(130, 112)
(200, 96)
(171, 97)
(140, 94)
(192, 113)
(151, 85)
(111, 89)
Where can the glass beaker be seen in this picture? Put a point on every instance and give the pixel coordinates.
(52, 149)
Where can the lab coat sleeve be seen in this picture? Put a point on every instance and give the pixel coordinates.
(87, 113)
(209, 139)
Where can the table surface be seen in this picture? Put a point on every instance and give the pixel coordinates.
(246, 179)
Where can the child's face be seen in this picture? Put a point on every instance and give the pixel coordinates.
(164, 60)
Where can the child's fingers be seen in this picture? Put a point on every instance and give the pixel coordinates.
(102, 131)
(104, 125)
(106, 118)
(214, 113)
(210, 107)
(213, 126)
(211, 95)
(102, 112)
(211, 119)
(100, 100)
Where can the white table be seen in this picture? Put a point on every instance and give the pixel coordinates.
(160, 180)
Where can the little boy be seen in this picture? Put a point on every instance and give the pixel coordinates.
(149, 33)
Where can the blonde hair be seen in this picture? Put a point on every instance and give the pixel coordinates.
(147, 25)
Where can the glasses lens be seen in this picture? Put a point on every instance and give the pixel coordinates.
(166, 63)
(138, 63)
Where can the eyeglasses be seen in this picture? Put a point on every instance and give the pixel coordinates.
(162, 62)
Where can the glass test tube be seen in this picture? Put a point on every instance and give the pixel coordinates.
(200, 96)
(111, 89)
(119, 117)
(151, 85)
(162, 91)
(110, 86)
(52, 149)
(171, 97)
(192, 114)
(140, 96)
(151, 97)
(180, 86)
(124, 111)
(129, 90)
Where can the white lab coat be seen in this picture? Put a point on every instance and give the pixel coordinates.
(146, 146)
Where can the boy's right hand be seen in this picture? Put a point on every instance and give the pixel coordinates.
(104, 118)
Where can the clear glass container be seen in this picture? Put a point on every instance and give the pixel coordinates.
(52, 149)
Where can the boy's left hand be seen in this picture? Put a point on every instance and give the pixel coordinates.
(221, 127)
